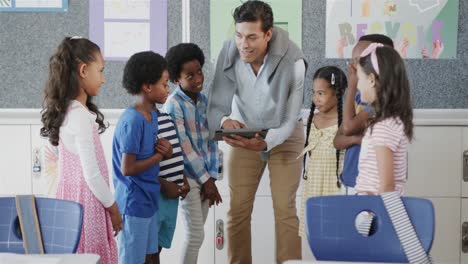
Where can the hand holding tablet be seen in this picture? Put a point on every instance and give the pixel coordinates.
(243, 132)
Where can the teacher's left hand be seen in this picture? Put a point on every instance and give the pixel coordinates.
(255, 144)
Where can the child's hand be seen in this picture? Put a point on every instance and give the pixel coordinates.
(216, 199)
(184, 190)
(437, 48)
(340, 47)
(404, 44)
(116, 218)
(352, 76)
(424, 53)
(164, 147)
(209, 191)
(172, 190)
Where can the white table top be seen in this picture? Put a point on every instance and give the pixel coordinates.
(49, 258)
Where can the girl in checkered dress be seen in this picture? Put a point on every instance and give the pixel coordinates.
(325, 162)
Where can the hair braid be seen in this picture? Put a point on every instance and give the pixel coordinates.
(339, 96)
(309, 125)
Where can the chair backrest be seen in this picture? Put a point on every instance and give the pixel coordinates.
(60, 223)
(332, 234)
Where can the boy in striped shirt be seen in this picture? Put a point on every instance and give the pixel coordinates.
(172, 180)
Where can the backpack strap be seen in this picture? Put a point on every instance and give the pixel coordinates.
(409, 240)
(29, 224)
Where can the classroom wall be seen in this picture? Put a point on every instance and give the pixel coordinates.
(28, 39)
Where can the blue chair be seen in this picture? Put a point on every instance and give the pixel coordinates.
(60, 223)
(332, 234)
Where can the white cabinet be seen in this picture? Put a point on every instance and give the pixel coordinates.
(15, 160)
(435, 172)
(446, 244)
(434, 162)
(22, 150)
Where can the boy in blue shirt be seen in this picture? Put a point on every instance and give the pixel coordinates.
(136, 155)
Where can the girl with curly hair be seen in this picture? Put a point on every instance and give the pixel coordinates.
(73, 122)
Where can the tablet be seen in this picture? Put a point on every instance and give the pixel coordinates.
(243, 132)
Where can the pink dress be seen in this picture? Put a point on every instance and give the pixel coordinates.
(97, 232)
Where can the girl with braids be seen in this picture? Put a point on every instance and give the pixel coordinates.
(325, 162)
(72, 122)
(383, 83)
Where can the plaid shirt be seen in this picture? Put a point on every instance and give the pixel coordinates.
(200, 152)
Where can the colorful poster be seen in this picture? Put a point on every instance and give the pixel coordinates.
(124, 27)
(419, 28)
(287, 15)
(34, 5)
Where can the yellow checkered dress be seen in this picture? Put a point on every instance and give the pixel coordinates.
(321, 167)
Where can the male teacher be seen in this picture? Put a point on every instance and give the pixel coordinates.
(258, 83)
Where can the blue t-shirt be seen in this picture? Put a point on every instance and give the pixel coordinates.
(351, 159)
(350, 166)
(136, 195)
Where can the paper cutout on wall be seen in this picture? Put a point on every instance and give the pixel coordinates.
(419, 28)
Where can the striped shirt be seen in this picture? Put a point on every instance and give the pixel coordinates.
(200, 152)
(171, 169)
(388, 133)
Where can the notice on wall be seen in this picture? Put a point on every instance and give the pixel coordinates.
(124, 27)
(419, 28)
(33, 5)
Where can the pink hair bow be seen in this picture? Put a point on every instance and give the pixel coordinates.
(371, 50)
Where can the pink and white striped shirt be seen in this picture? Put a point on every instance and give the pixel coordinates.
(388, 133)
